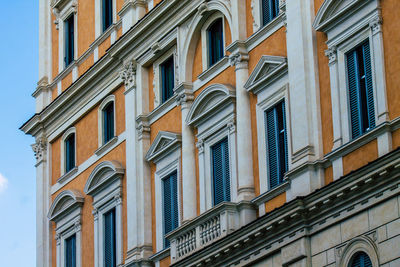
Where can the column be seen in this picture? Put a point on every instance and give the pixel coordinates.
(189, 196)
(131, 12)
(40, 149)
(118, 232)
(58, 248)
(239, 59)
(78, 234)
(95, 213)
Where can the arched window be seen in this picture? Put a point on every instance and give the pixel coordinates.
(108, 122)
(69, 150)
(215, 42)
(360, 259)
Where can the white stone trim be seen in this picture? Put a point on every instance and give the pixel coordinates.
(100, 123)
(105, 186)
(99, 19)
(65, 211)
(257, 13)
(266, 99)
(172, 52)
(162, 146)
(164, 167)
(67, 133)
(204, 38)
(359, 244)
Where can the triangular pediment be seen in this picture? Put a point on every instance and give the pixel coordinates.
(332, 11)
(162, 145)
(268, 69)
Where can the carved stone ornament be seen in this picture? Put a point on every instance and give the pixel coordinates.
(58, 239)
(39, 149)
(200, 146)
(331, 53)
(78, 226)
(239, 59)
(183, 98)
(95, 213)
(231, 126)
(118, 199)
(128, 74)
(376, 25)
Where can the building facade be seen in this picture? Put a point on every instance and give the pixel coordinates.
(218, 133)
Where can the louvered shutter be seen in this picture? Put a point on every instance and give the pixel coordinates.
(272, 148)
(286, 163)
(354, 97)
(109, 239)
(361, 259)
(369, 85)
(215, 42)
(70, 251)
(270, 10)
(221, 172)
(167, 79)
(170, 204)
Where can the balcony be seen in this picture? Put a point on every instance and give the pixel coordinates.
(209, 227)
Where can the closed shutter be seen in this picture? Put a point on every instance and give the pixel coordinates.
(170, 204)
(221, 172)
(108, 122)
(353, 83)
(277, 149)
(70, 153)
(270, 10)
(70, 251)
(69, 40)
(109, 239)
(215, 42)
(369, 85)
(361, 259)
(167, 79)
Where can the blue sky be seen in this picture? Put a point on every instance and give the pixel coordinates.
(18, 77)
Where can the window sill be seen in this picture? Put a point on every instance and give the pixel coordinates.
(214, 69)
(267, 196)
(162, 109)
(162, 254)
(106, 146)
(68, 175)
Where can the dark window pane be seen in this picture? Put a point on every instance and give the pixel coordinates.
(107, 14)
(109, 239)
(360, 259)
(69, 40)
(270, 10)
(215, 42)
(108, 122)
(69, 152)
(167, 79)
(70, 251)
(170, 204)
(220, 171)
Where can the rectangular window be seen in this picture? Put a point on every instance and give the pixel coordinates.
(361, 94)
(107, 9)
(170, 204)
(277, 149)
(109, 239)
(270, 10)
(215, 42)
(167, 79)
(108, 122)
(220, 171)
(70, 251)
(69, 152)
(69, 40)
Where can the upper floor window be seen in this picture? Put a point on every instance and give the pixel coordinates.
(170, 204)
(107, 14)
(276, 144)
(108, 122)
(167, 79)
(69, 152)
(69, 40)
(109, 239)
(220, 171)
(270, 10)
(360, 86)
(70, 251)
(360, 259)
(215, 42)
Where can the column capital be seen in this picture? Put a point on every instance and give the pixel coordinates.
(376, 25)
(331, 53)
(143, 127)
(240, 60)
(39, 149)
(95, 213)
(128, 74)
(58, 239)
(184, 94)
(200, 146)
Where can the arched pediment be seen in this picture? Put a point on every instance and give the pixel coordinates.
(333, 10)
(163, 144)
(102, 175)
(65, 202)
(209, 102)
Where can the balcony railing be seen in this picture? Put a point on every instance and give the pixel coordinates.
(209, 227)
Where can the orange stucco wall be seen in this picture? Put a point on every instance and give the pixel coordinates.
(104, 46)
(54, 44)
(87, 217)
(396, 139)
(328, 175)
(55, 160)
(360, 157)
(165, 262)
(66, 82)
(275, 203)
(151, 90)
(86, 25)
(86, 64)
(249, 18)
(197, 61)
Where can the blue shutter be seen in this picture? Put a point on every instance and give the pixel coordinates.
(272, 148)
(286, 163)
(361, 259)
(270, 10)
(354, 95)
(70, 251)
(215, 42)
(170, 204)
(109, 239)
(221, 172)
(369, 85)
(167, 79)
(69, 40)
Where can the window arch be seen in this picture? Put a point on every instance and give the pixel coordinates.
(68, 151)
(360, 259)
(107, 120)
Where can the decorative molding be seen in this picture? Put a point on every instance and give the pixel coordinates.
(184, 92)
(331, 53)
(163, 144)
(63, 203)
(39, 149)
(128, 74)
(240, 60)
(200, 146)
(376, 25)
(231, 126)
(143, 127)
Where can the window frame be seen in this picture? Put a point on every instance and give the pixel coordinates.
(99, 30)
(103, 13)
(162, 76)
(257, 12)
(104, 104)
(63, 160)
(205, 40)
(165, 245)
(262, 13)
(65, 246)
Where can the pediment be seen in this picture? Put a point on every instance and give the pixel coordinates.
(333, 10)
(162, 145)
(267, 70)
(65, 202)
(209, 101)
(103, 174)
